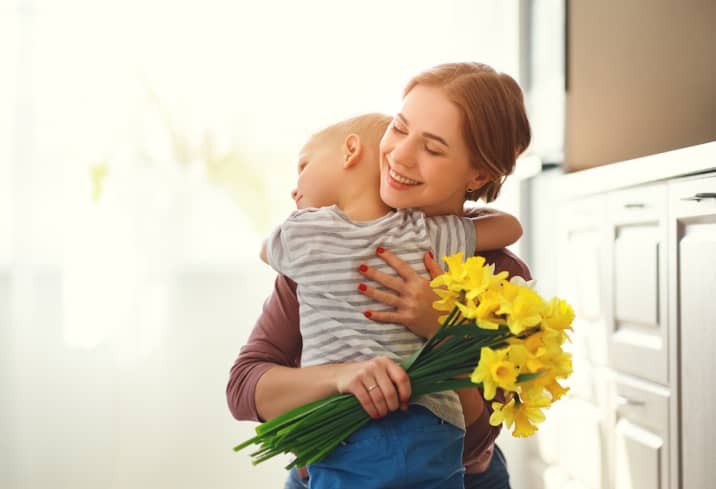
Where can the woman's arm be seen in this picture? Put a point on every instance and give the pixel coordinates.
(266, 379)
(275, 340)
(282, 388)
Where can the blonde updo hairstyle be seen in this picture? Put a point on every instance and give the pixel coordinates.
(495, 125)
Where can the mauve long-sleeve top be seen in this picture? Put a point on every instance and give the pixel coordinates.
(276, 340)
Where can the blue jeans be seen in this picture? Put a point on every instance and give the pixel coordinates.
(406, 449)
(495, 477)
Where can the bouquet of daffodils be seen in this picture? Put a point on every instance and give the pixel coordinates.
(497, 333)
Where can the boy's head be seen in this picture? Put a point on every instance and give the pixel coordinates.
(341, 155)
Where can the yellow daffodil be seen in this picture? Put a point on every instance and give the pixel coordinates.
(494, 370)
(522, 306)
(556, 390)
(503, 412)
(456, 276)
(472, 276)
(524, 414)
(447, 299)
(486, 310)
(558, 315)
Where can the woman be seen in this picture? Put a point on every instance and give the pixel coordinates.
(458, 135)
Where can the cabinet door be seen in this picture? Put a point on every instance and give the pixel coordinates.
(693, 234)
(638, 342)
(582, 277)
(641, 445)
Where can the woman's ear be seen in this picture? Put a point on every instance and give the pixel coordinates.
(477, 181)
(352, 150)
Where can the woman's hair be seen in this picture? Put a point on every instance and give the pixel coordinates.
(495, 124)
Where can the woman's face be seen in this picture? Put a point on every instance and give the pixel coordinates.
(424, 159)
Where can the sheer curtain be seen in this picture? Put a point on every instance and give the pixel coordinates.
(145, 149)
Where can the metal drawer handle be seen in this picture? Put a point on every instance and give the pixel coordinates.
(701, 196)
(625, 401)
(634, 205)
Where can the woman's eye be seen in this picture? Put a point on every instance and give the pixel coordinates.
(433, 152)
(399, 130)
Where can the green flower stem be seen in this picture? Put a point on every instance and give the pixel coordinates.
(443, 386)
(329, 425)
(313, 455)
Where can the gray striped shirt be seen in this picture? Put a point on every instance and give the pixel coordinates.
(321, 250)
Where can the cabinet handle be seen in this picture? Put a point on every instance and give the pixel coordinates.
(701, 196)
(625, 401)
(634, 205)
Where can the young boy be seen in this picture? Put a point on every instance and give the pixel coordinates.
(340, 223)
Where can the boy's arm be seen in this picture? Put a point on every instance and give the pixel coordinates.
(276, 251)
(495, 230)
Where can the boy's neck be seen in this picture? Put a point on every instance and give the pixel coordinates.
(366, 207)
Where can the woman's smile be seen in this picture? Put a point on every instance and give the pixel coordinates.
(397, 178)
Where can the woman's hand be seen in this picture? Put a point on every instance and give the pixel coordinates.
(380, 384)
(409, 294)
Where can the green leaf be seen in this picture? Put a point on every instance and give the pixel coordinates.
(529, 376)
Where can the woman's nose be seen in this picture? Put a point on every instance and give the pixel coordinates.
(403, 153)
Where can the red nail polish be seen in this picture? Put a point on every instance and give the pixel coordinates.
(380, 250)
(362, 287)
(363, 268)
(430, 254)
(368, 314)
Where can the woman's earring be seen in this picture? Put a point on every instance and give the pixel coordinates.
(469, 190)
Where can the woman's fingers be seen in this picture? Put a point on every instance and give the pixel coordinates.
(387, 298)
(385, 316)
(381, 386)
(366, 401)
(431, 265)
(400, 266)
(386, 280)
(401, 381)
(381, 393)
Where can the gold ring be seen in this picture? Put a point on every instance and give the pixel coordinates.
(370, 388)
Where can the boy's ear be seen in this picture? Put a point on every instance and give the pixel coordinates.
(352, 150)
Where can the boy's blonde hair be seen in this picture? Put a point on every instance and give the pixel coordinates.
(369, 127)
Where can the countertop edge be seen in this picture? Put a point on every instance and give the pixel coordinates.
(646, 169)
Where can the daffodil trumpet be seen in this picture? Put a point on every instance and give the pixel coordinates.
(498, 334)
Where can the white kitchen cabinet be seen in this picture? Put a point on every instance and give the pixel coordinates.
(692, 216)
(638, 326)
(636, 258)
(642, 439)
(583, 248)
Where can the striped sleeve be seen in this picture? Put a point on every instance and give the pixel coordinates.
(277, 251)
(451, 234)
